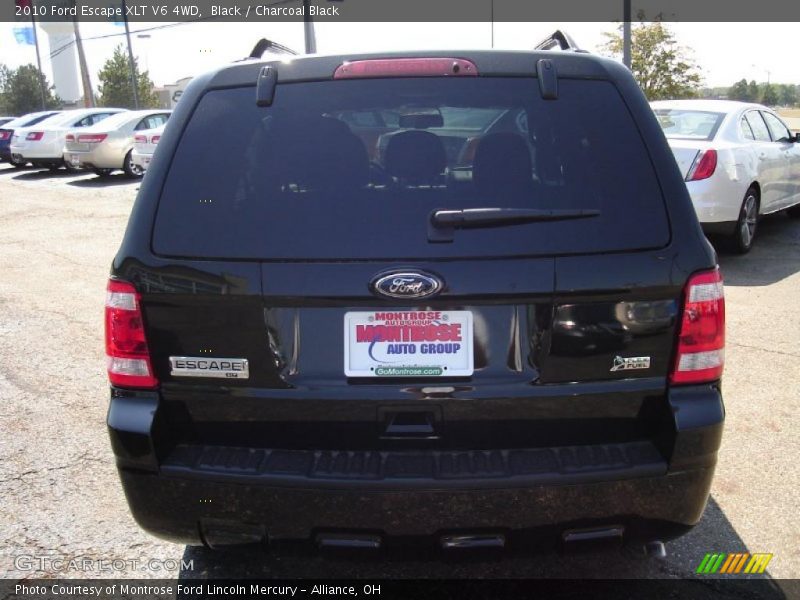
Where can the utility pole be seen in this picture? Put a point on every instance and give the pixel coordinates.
(86, 82)
(626, 33)
(130, 56)
(308, 29)
(38, 56)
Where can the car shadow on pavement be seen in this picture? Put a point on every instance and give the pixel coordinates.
(34, 175)
(714, 534)
(774, 257)
(108, 181)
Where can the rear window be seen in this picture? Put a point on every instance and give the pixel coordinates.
(689, 124)
(352, 169)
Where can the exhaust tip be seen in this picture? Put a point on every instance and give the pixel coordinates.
(495, 541)
(590, 538)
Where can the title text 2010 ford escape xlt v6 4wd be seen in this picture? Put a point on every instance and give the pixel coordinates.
(457, 297)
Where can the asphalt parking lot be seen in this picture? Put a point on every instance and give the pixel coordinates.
(61, 497)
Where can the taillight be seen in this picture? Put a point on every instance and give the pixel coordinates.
(154, 139)
(92, 138)
(140, 139)
(70, 137)
(127, 355)
(406, 67)
(701, 340)
(4, 135)
(704, 165)
(34, 136)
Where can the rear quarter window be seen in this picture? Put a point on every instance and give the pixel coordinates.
(352, 169)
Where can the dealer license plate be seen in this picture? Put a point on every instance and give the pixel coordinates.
(394, 343)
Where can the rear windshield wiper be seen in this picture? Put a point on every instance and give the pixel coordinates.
(443, 223)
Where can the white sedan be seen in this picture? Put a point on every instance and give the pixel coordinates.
(43, 144)
(144, 145)
(739, 161)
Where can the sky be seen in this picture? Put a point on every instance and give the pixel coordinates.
(726, 52)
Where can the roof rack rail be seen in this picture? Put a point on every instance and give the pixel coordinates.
(560, 39)
(264, 44)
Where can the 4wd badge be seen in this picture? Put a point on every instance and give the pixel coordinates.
(630, 363)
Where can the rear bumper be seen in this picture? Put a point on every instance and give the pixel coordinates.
(217, 496)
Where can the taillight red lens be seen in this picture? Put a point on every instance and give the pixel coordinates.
(92, 138)
(705, 163)
(4, 135)
(701, 341)
(127, 355)
(406, 67)
(70, 137)
(34, 136)
(154, 139)
(140, 139)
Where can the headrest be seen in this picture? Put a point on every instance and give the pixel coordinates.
(415, 156)
(502, 164)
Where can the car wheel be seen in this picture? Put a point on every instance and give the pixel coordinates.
(132, 170)
(742, 238)
(54, 167)
(102, 172)
(18, 164)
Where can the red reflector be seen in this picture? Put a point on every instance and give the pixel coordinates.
(406, 67)
(701, 340)
(140, 139)
(92, 138)
(34, 136)
(127, 355)
(154, 139)
(4, 135)
(704, 165)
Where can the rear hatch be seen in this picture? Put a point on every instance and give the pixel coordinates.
(300, 242)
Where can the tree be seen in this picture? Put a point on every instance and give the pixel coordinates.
(662, 67)
(787, 94)
(755, 92)
(20, 90)
(770, 95)
(115, 83)
(740, 91)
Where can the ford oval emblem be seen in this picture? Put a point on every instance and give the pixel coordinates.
(408, 284)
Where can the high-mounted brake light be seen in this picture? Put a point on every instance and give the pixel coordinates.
(34, 136)
(406, 67)
(140, 139)
(92, 138)
(701, 340)
(704, 165)
(127, 355)
(154, 139)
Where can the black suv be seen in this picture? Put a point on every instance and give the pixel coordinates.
(456, 298)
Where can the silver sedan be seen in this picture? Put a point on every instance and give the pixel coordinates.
(108, 146)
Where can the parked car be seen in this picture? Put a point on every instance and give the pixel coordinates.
(43, 144)
(108, 146)
(4, 120)
(7, 131)
(144, 145)
(739, 160)
(520, 344)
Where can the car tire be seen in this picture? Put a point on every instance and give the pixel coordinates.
(102, 172)
(742, 238)
(18, 164)
(54, 167)
(131, 170)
